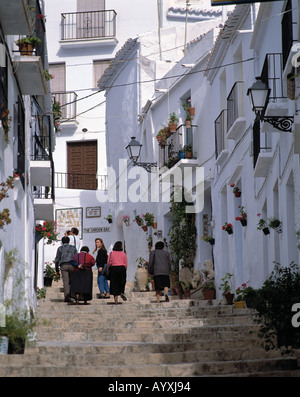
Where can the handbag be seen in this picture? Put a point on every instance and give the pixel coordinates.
(106, 271)
(151, 268)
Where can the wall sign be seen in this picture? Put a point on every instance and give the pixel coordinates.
(66, 218)
(93, 212)
(96, 229)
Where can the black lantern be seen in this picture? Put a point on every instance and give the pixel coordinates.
(134, 151)
(259, 98)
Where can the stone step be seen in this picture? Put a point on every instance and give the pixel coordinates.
(218, 368)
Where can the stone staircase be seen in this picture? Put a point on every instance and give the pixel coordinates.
(142, 338)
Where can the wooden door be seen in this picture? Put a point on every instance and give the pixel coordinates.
(82, 165)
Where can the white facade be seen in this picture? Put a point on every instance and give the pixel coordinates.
(71, 43)
(25, 150)
(269, 184)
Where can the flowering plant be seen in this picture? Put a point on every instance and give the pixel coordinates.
(261, 223)
(235, 188)
(48, 76)
(5, 186)
(4, 217)
(142, 262)
(138, 220)
(125, 218)
(242, 291)
(227, 227)
(149, 218)
(47, 230)
(243, 213)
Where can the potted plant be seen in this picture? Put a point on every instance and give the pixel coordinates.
(49, 275)
(126, 219)
(187, 106)
(149, 218)
(208, 239)
(250, 295)
(262, 225)
(239, 300)
(27, 44)
(243, 217)
(186, 287)
(47, 231)
(173, 120)
(227, 227)
(188, 120)
(226, 287)
(208, 290)
(275, 307)
(188, 152)
(275, 224)
(141, 275)
(108, 218)
(18, 325)
(236, 190)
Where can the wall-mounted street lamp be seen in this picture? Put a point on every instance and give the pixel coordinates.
(134, 151)
(259, 95)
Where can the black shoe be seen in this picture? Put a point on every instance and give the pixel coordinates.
(123, 297)
(167, 298)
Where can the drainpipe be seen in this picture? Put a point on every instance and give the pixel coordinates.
(159, 7)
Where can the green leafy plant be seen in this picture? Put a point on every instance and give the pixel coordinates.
(142, 262)
(149, 218)
(29, 40)
(274, 303)
(139, 221)
(274, 222)
(50, 272)
(183, 232)
(208, 285)
(226, 285)
(47, 230)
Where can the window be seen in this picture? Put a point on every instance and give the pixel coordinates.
(99, 68)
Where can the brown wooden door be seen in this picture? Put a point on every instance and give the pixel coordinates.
(82, 165)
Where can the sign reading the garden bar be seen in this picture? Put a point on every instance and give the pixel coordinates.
(233, 2)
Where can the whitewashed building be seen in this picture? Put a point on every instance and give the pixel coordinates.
(229, 142)
(26, 146)
(83, 37)
(135, 109)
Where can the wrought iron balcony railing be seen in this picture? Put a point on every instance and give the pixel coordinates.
(88, 25)
(67, 180)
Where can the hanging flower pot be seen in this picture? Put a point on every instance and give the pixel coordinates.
(145, 228)
(266, 230)
(191, 111)
(228, 228)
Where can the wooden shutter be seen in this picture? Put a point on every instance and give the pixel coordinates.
(90, 5)
(82, 165)
(99, 68)
(58, 84)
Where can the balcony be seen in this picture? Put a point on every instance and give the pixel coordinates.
(40, 161)
(220, 137)
(68, 101)
(43, 201)
(17, 17)
(30, 74)
(263, 164)
(179, 146)
(88, 28)
(235, 118)
(64, 180)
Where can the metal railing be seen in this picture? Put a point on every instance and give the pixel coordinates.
(68, 101)
(67, 180)
(272, 76)
(88, 25)
(220, 132)
(234, 104)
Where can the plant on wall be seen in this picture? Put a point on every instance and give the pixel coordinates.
(183, 233)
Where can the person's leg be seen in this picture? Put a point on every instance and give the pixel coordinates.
(166, 289)
(157, 296)
(65, 274)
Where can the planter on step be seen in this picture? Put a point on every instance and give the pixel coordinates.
(17, 347)
(239, 304)
(208, 294)
(48, 281)
(229, 298)
(141, 276)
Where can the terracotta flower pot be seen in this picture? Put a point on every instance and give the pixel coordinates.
(237, 194)
(191, 111)
(173, 127)
(208, 294)
(145, 228)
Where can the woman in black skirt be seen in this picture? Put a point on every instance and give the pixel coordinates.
(117, 262)
(82, 279)
(160, 260)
